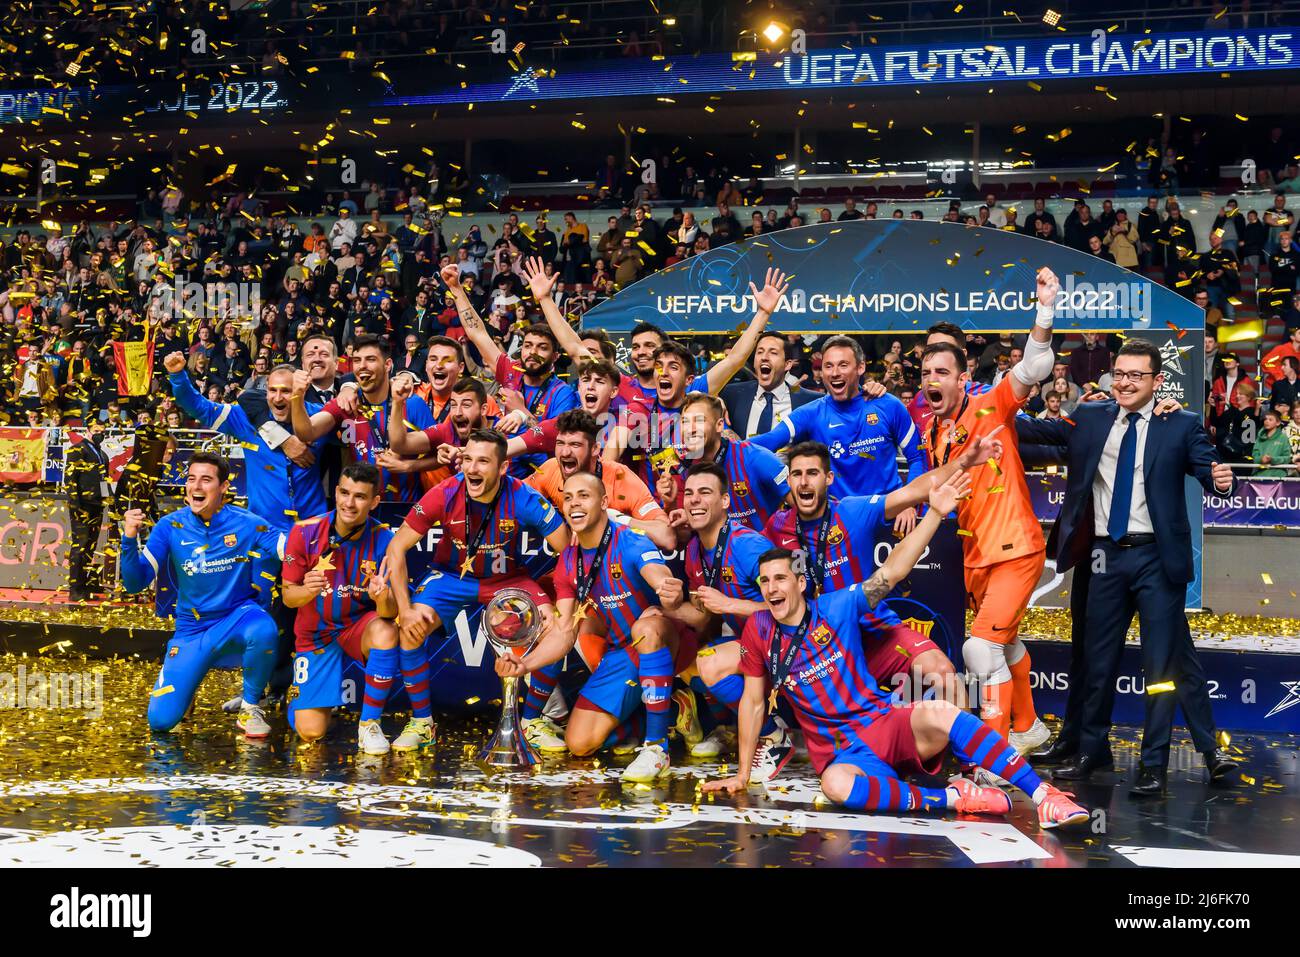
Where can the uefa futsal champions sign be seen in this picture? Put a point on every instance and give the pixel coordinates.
(1097, 57)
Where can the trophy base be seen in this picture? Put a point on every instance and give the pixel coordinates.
(506, 751)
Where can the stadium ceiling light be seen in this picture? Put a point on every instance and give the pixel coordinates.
(773, 32)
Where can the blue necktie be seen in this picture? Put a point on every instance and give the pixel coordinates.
(765, 417)
(1122, 498)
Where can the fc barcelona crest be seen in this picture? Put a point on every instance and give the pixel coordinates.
(873, 418)
(960, 435)
(822, 634)
(368, 569)
(230, 540)
(728, 575)
(616, 572)
(922, 628)
(740, 489)
(835, 535)
(506, 526)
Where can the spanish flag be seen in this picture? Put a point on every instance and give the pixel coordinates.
(22, 455)
(134, 362)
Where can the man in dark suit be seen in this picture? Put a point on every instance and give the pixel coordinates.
(754, 407)
(86, 481)
(1125, 521)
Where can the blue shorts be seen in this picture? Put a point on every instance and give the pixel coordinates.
(448, 594)
(614, 687)
(865, 760)
(318, 679)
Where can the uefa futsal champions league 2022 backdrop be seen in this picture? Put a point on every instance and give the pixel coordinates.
(898, 277)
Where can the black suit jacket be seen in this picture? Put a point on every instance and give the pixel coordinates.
(739, 400)
(1176, 447)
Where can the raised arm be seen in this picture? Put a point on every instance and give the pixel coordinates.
(400, 439)
(1037, 361)
(541, 286)
(765, 301)
(307, 427)
(469, 319)
(917, 492)
(905, 555)
(139, 566)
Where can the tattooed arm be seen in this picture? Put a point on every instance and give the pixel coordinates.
(470, 320)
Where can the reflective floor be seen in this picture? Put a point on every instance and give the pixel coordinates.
(92, 787)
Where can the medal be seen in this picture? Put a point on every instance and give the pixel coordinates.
(713, 568)
(779, 664)
(586, 577)
(472, 546)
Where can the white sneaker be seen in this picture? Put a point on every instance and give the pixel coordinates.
(624, 748)
(252, 721)
(649, 765)
(1031, 740)
(985, 778)
(417, 734)
(370, 738)
(234, 705)
(771, 755)
(720, 739)
(545, 735)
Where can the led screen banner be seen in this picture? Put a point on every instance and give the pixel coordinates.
(1095, 57)
(897, 277)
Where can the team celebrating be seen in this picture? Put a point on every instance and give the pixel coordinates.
(686, 579)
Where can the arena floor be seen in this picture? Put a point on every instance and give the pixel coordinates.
(104, 793)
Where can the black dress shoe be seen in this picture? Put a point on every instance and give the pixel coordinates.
(1058, 752)
(1081, 768)
(1150, 783)
(1219, 763)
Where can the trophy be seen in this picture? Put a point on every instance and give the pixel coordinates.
(512, 623)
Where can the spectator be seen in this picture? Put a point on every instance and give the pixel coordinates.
(1122, 240)
(1149, 226)
(1225, 388)
(1283, 266)
(1051, 406)
(1237, 428)
(628, 264)
(1090, 361)
(1219, 266)
(1272, 449)
(1272, 364)
(1285, 387)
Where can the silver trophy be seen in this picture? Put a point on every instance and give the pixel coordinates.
(512, 623)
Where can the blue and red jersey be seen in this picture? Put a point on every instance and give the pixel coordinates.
(738, 577)
(835, 696)
(656, 429)
(444, 433)
(849, 547)
(757, 481)
(620, 592)
(367, 434)
(354, 558)
(545, 401)
(501, 548)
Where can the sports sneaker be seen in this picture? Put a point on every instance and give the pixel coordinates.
(252, 721)
(688, 717)
(649, 765)
(625, 747)
(1057, 809)
(370, 738)
(720, 739)
(985, 778)
(234, 705)
(545, 735)
(771, 755)
(417, 734)
(973, 799)
(1031, 740)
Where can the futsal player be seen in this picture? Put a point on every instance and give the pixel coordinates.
(861, 746)
(483, 514)
(334, 576)
(466, 413)
(218, 555)
(610, 584)
(1002, 542)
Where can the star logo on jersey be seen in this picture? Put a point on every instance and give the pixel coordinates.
(230, 540)
(1290, 701)
(922, 628)
(740, 489)
(835, 535)
(616, 572)
(873, 418)
(506, 526)
(821, 635)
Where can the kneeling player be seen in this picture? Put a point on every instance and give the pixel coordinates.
(859, 744)
(609, 584)
(333, 576)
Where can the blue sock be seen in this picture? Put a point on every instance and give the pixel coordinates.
(415, 676)
(540, 685)
(975, 742)
(890, 794)
(655, 672)
(382, 668)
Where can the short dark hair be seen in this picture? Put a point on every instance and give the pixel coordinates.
(671, 347)
(641, 327)
(774, 334)
(577, 420)
(218, 462)
(366, 474)
(492, 438)
(601, 336)
(777, 555)
(449, 343)
(948, 329)
(940, 347)
(602, 367)
(810, 450)
(368, 341)
(845, 342)
(544, 331)
(714, 469)
(468, 384)
(1141, 347)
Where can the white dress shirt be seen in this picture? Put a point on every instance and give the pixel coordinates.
(1103, 486)
(780, 407)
